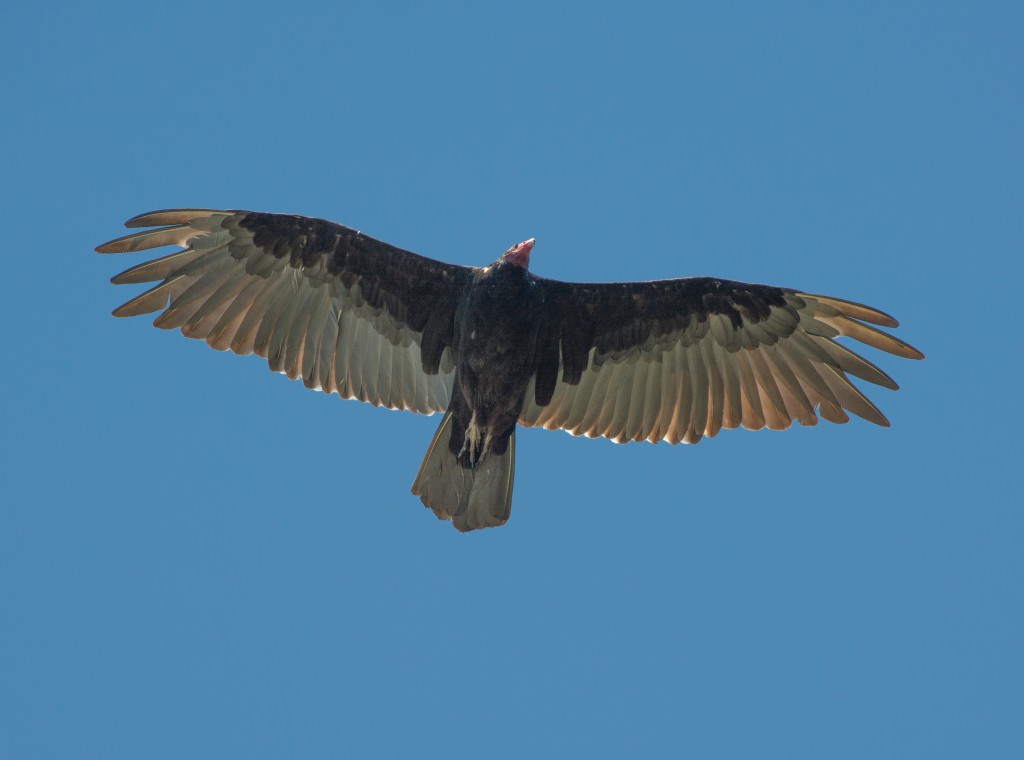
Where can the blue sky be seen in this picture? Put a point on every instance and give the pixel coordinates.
(199, 558)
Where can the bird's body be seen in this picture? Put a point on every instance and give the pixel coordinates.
(493, 366)
(495, 347)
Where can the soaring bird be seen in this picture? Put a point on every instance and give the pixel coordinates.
(496, 346)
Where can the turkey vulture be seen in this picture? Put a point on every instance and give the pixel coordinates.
(493, 347)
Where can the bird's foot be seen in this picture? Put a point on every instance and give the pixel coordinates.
(472, 447)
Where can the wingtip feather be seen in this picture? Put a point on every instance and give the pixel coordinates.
(178, 234)
(855, 310)
(164, 217)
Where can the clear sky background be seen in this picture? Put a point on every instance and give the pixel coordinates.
(199, 558)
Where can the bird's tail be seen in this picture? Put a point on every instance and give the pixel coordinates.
(470, 498)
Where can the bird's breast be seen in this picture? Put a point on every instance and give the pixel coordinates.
(495, 339)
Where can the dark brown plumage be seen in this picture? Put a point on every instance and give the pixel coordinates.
(495, 347)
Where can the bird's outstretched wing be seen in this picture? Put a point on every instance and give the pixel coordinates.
(677, 360)
(346, 313)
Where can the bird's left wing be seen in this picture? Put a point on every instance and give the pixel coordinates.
(677, 360)
(346, 313)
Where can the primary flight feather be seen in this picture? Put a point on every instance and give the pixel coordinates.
(496, 346)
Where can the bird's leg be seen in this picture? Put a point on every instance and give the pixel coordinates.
(471, 446)
(464, 451)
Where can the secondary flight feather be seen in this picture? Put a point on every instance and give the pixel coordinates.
(496, 346)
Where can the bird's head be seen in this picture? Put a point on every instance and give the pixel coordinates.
(519, 254)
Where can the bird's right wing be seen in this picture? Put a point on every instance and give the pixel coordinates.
(677, 360)
(346, 313)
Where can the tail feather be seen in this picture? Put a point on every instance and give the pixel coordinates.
(470, 498)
